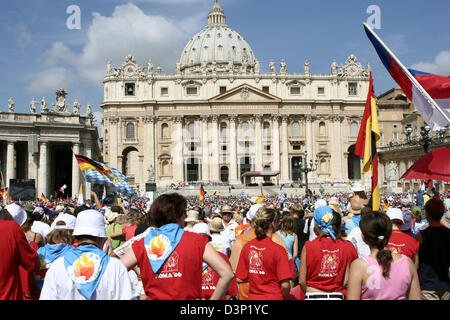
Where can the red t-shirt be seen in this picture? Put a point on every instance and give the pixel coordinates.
(129, 231)
(326, 261)
(15, 252)
(265, 263)
(210, 279)
(180, 277)
(402, 243)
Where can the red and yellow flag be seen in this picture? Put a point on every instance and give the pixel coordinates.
(88, 164)
(43, 198)
(366, 144)
(201, 193)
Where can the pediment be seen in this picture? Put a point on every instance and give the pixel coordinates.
(245, 93)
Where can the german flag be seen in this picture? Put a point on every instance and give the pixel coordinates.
(88, 164)
(366, 144)
(201, 193)
(43, 198)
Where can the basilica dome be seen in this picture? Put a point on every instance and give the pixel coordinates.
(217, 48)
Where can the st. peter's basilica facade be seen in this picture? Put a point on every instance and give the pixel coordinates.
(219, 116)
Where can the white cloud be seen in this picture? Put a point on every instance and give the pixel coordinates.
(441, 64)
(129, 31)
(50, 80)
(58, 54)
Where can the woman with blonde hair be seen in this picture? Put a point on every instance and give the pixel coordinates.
(263, 263)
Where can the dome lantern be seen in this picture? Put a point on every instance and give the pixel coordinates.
(216, 15)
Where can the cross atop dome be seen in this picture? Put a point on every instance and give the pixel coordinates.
(216, 15)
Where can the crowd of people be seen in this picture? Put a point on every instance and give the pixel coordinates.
(313, 247)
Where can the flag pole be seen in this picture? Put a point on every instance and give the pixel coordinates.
(408, 74)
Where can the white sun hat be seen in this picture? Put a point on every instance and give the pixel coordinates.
(90, 222)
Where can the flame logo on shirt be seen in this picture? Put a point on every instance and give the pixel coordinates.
(327, 217)
(84, 267)
(159, 247)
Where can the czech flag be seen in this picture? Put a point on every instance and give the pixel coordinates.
(429, 93)
(366, 144)
(201, 193)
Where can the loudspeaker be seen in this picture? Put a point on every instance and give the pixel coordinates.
(150, 186)
(22, 189)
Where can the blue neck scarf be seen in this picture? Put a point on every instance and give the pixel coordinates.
(356, 219)
(160, 242)
(323, 218)
(85, 266)
(49, 253)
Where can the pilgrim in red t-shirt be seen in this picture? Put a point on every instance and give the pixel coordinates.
(265, 263)
(180, 277)
(16, 252)
(402, 243)
(210, 279)
(326, 262)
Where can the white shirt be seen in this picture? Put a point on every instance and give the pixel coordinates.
(312, 234)
(229, 230)
(115, 283)
(355, 237)
(221, 243)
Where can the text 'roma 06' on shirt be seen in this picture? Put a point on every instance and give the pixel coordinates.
(265, 263)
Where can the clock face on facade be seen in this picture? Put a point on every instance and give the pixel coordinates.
(352, 70)
(130, 70)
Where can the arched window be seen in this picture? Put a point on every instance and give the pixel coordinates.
(130, 131)
(322, 129)
(354, 129)
(295, 129)
(266, 130)
(223, 130)
(165, 131)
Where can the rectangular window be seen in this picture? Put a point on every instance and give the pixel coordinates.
(296, 147)
(164, 91)
(267, 147)
(192, 147)
(224, 148)
(191, 91)
(222, 90)
(352, 89)
(265, 89)
(321, 90)
(129, 89)
(296, 91)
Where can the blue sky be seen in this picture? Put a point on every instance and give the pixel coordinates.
(39, 54)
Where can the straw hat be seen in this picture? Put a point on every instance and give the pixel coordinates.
(192, 216)
(226, 209)
(355, 207)
(216, 225)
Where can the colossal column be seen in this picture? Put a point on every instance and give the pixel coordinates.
(285, 149)
(205, 151)
(177, 155)
(43, 161)
(75, 170)
(258, 142)
(10, 174)
(113, 121)
(234, 179)
(215, 148)
(275, 142)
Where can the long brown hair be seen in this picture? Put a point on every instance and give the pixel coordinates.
(263, 220)
(376, 228)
